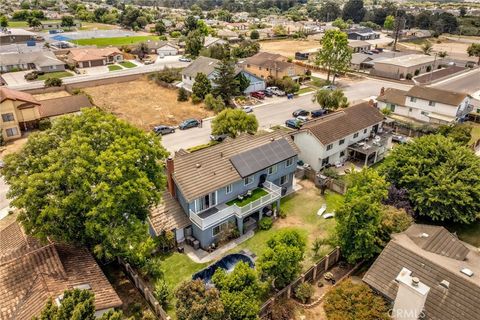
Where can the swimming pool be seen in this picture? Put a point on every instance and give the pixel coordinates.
(227, 263)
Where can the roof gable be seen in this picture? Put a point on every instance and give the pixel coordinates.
(437, 95)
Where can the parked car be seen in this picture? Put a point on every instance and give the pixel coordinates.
(399, 138)
(163, 129)
(329, 87)
(184, 59)
(247, 109)
(318, 113)
(148, 61)
(267, 93)
(258, 94)
(189, 123)
(276, 91)
(302, 119)
(375, 51)
(293, 123)
(300, 112)
(219, 137)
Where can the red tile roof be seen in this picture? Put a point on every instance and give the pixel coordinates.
(9, 94)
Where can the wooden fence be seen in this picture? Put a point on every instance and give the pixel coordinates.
(311, 275)
(144, 290)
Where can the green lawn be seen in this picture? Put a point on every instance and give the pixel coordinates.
(117, 41)
(318, 82)
(24, 24)
(127, 64)
(305, 90)
(59, 74)
(114, 67)
(256, 194)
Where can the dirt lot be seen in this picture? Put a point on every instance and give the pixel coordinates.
(51, 95)
(145, 104)
(288, 47)
(456, 48)
(13, 146)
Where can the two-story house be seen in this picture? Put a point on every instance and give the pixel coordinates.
(362, 34)
(271, 65)
(426, 104)
(332, 139)
(208, 67)
(234, 183)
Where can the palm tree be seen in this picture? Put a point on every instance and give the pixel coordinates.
(443, 54)
(330, 99)
(427, 48)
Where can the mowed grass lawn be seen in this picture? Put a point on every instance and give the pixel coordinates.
(24, 24)
(58, 74)
(117, 41)
(114, 67)
(127, 64)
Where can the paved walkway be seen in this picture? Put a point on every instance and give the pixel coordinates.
(201, 256)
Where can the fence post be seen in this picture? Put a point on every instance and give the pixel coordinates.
(289, 291)
(338, 254)
(303, 277)
(315, 272)
(327, 257)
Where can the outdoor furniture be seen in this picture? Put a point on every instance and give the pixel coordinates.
(249, 193)
(180, 249)
(322, 209)
(196, 244)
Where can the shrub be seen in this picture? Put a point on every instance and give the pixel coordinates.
(31, 76)
(429, 68)
(196, 99)
(283, 310)
(175, 34)
(53, 82)
(409, 76)
(265, 223)
(152, 268)
(182, 95)
(254, 35)
(168, 75)
(386, 111)
(308, 72)
(44, 124)
(162, 293)
(282, 214)
(304, 292)
(417, 72)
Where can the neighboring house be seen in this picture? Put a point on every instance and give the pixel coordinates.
(426, 104)
(210, 41)
(428, 271)
(203, 186)
(405, 66)
(20, 111)
(229, 35)
(276, 66)
(207, 66)
(32, 272)
(93, 57)
(361, 61)
(167, 49)
(16, 36)
(44, 61)
(352, 133)
(359, 46)
(362, 34)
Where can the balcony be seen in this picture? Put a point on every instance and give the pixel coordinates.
(260, 197)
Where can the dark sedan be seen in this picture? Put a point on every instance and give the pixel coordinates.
(190, 123)
(300, 112)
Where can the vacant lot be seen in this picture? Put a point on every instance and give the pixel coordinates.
(288, 47)
(117, 41)
(455, 48)
(145, 104)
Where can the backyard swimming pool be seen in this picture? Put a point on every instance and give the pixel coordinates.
(227, 263)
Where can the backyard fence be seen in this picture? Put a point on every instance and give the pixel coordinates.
(144, 290)
(311, 275)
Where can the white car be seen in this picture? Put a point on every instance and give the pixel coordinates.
(302, 118)
(276, 91)
(184, 59)
(247, 109)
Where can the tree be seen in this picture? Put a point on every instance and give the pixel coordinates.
(442, 177)
(226, 84)
(461, 134)
(182, 95)
(190, 24)
(76, 305)
(217, 51)
(394, 220)
(279, 30)
(245, 49)
(288, 85)
(350, 300)
(330, 99)
(194, 43)
(162, 293)
(53, 82)
(329, 11)
(243, 82)
(474, 51)
(427, 48)
(3, 21)
(340, 24)
(442, 54)
(233, 122)
(283, 309)
(281, 260)
(462, 11)
(354, 10)
(103, 177)
(142, 49)
(160, 27)
(201, 86)
(389, 23)
(196, 302)
(215, 104)
(254, 35)
(67, 22)
(359, 216)
(335, 55)
(34, 22)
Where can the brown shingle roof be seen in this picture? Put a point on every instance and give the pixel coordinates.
(437, 95)
(37, 272)
(262, 57)
(340, 124)
(63, 105)
(392, 95)
(88, 54)
(9, 94)
(204, 171)
(202, 64)
(461, 301)
(168, 215)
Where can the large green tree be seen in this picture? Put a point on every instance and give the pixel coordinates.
(334, 55)
(233, 122)
(354, 10)
(474, 51)
(442, 177)
(194, 43)
(67, 22)
(89, 180)
(330, 99)
(226, 84)
(196, 302)
(459, 133)
(201, 86)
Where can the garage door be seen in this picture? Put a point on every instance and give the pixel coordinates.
(96, 63)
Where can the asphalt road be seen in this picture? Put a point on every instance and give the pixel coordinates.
(467, 82)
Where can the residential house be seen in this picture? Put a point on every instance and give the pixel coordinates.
(16, 36)
(210, 41)
(271, 65)
(359, 46)
(20, 111)
(405, 66)
(32, 272)
(162, 48)
(44, 61)
(93, 57)
(427, 271)
(426, 104)
(229, 35)
(361, 61)
(206, 186)
(353, 133)
(208, 66)
(362, 34)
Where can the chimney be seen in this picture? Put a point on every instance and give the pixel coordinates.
(411, 296)
(170, 170)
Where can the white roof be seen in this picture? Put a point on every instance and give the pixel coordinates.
(39, 58)
(409, 60)
(17, 32)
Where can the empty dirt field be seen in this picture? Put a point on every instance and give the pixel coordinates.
(145, 104)
(288, 47)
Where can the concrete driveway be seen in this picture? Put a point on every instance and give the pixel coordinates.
(15, 78)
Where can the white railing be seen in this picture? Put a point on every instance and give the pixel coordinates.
(204, 223)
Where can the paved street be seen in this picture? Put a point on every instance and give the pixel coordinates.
(467, 82)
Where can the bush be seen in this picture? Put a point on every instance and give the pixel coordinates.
(409, 76)
(265, 223)
(196, 99)
(304, 292)
(168, 75)
(44, 124)
(417, 72)
(53, 82)
(175, 34)
(182, 95)
(152, 268)
(283, 310)
(254, 35)
(162, 293)
(308, 72)
(429, 68)
(31, 76)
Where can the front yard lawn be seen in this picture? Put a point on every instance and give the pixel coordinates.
(475, 131)
(256, 194)
(117, 41)
(305, 90)
(59, 74)
(127, 64)
(114, 67)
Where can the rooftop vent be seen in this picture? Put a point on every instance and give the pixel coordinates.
(415, 281)
(198, 165)
(467, 272)
(445, 284)
(424, 235)
(59, 299)
(84, 286)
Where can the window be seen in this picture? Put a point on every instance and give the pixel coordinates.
(283, 180)
(289, 162)
(410, 109)
(431, 103)
(8, 117)
(220, 229)
(342, 141)
(248, 180)
(206, 202)
(272, 169)
(229, 188)
(11, 132)
(329, 147)
(342, 154)
(364, 130)
(325, 161)
(355, 135)
(392, 107)
(413, 99)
